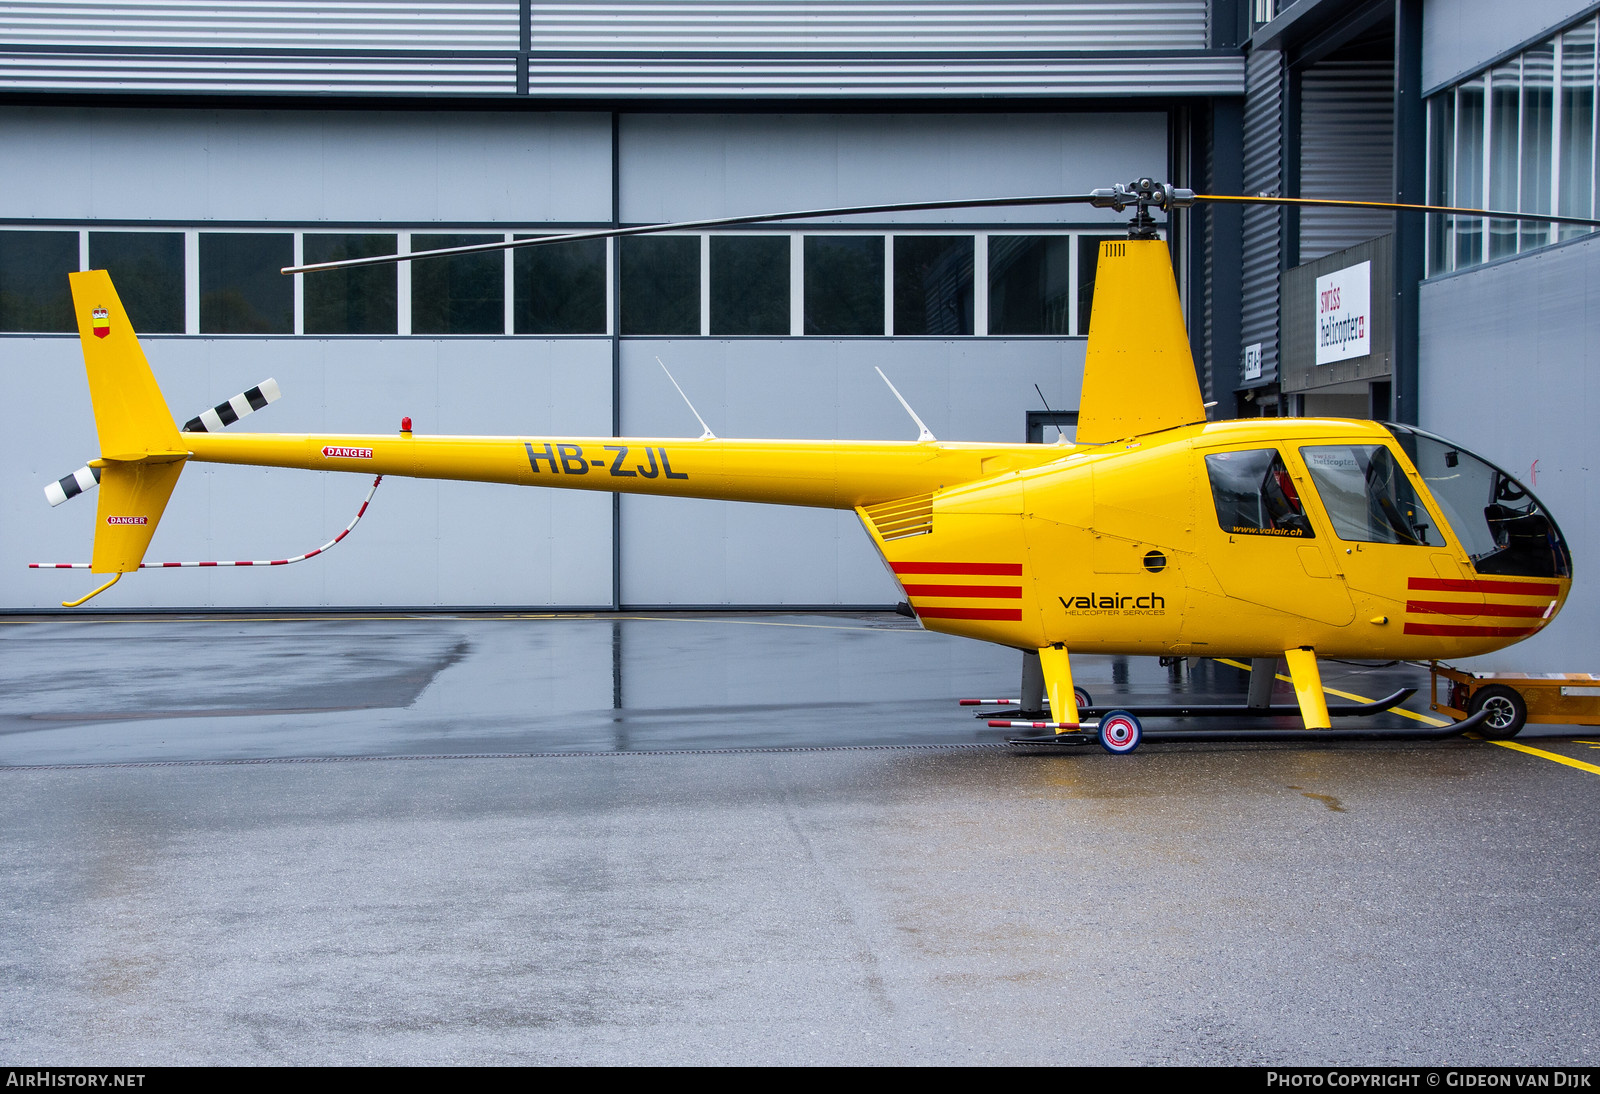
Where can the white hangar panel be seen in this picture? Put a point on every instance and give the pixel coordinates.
(1459, 36)
(421, 544)
(1508, 368)
(683, 167)
(705, 552)
(77, 163)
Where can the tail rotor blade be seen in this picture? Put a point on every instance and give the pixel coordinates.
(223, 414)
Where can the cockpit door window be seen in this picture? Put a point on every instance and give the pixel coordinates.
(1255, 496)
(1368, 497)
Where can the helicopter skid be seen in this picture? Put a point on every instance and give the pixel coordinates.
(1421, 733)
(1211, 710)
(1049, 740)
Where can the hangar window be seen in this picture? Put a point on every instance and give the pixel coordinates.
(357, 301)
(1255, 495)
(1520, 137)
(933, 284)
(462, 294)
(907, 282)
(660, 289)
(844, 284)
(241, 290)
(34, 292)
(560, 288)
(147, 269)
(1030, 284)
(750, 284)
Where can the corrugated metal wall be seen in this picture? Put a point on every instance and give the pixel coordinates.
(1346, 151)
(1263, 227)
(677, 48)
(1206, 358)
(640, 77)
(268, 24)
(873, 26)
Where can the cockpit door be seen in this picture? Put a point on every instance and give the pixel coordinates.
(1397, 560)
(1260, 541)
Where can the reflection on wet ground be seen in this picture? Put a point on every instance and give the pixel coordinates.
(621, 898)
(112, 690)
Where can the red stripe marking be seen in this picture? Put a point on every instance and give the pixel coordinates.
(1455, 585)
(1453, 631)
(208, 564)
(986, 592)
(166, 565)
(1000, 569)
(1013, 615)
(318, 551)
(1445, 607)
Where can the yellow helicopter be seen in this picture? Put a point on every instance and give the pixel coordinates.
(1154, 532)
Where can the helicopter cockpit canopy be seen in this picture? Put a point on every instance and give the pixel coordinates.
(1501, 525)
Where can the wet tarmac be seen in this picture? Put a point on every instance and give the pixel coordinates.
(774, 839)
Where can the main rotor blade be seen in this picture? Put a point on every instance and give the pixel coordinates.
(1099, 199)
(689, 225)
(1495, 214)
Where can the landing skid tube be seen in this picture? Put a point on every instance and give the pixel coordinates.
(1302, 736)
(1217, 710)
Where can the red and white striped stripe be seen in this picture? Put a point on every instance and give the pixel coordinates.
(1007, 723)
(264, 562)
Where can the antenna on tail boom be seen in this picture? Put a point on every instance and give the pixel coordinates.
(707, 435)
(926, 434)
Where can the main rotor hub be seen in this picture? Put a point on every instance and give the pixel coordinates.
(1143, 194)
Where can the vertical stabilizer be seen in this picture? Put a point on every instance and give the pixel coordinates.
(1138, 375)
(129, 411)
(132, 498)
(141, 451)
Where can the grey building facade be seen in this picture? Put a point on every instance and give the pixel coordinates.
(1486, 325)
(202, 146)
(191, 146)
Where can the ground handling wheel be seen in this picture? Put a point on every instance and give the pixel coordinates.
(1083, 698)
(1508, 711)
(1120, 732)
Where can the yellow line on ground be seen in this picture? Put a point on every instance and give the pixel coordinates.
(1423, 718)
(1529, 749)
(1555, 756)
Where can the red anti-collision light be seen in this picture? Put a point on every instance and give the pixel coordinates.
(405, 425)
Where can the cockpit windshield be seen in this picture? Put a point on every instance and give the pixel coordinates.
(1500, 523)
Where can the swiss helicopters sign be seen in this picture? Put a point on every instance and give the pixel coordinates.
(1344, 314)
